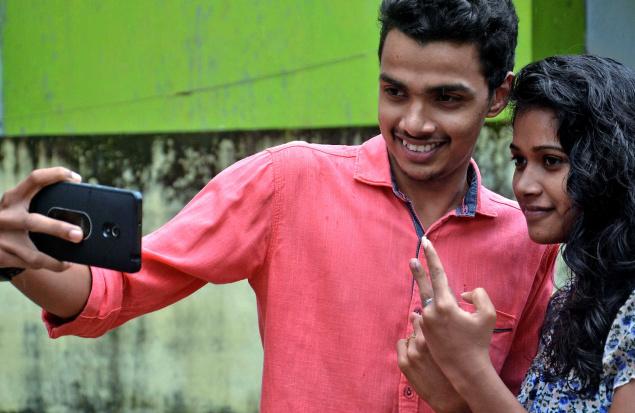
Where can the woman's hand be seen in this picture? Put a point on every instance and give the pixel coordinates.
(424, 374)
(458, 340)
(16, 248)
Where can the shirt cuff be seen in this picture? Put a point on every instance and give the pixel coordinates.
(90, 322)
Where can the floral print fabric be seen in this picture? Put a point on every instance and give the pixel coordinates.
(539, 396)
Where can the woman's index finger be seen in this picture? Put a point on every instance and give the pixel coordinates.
(438, 279)
(419, 274)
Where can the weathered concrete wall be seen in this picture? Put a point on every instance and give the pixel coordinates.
(202, 354)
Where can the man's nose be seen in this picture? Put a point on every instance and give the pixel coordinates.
(416, 122)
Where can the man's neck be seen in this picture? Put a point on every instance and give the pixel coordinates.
(434, 198)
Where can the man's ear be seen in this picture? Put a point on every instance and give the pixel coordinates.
(500, 96)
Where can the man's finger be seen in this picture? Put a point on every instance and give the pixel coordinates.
(438, 279)
(25, 257)
(40, 178)
(61, 229)
(15, 220)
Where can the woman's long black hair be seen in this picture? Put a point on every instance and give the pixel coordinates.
(594, 102)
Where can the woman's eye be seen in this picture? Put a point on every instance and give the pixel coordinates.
(551, 161)
(518, 161)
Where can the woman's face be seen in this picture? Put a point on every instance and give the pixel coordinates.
(540, 177)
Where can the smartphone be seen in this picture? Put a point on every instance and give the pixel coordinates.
(109, 217)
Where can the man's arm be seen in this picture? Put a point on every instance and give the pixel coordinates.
(63, 294)
(58, 287)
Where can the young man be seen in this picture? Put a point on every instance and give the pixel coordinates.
(324, 234)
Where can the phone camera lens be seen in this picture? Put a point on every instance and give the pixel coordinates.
(111, 231)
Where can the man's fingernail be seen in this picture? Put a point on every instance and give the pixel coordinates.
(425, 242)
(415, 265)
(76, 234)
(75, 176)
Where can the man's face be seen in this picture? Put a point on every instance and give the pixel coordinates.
(433, 100)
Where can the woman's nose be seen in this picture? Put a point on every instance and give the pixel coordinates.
(526, 183)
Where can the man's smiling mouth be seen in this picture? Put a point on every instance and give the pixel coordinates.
(427, 147)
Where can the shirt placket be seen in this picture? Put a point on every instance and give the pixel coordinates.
(408, 398)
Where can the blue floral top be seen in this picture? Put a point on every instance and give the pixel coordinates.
(538, 395)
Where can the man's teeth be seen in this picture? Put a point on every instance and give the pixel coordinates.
(420, 148)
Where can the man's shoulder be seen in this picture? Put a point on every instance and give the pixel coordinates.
(299, 157)
(498, 203)
(303, 149)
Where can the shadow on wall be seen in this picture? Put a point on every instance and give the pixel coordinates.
(200, 355)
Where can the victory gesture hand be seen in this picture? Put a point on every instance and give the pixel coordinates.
(16, 248)
(458, 340)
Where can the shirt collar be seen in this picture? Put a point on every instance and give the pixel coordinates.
(373, 168)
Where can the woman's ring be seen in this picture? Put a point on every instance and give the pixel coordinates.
(427, 302)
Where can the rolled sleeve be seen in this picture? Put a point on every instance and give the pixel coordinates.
(219, 237)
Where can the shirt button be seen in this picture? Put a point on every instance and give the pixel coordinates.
(408, 392)
(417, 310)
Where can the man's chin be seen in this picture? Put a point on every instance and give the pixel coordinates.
(420, 176)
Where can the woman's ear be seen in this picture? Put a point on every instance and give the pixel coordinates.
(500, 96)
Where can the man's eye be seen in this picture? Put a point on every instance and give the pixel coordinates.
(393, 91)
(444, 98)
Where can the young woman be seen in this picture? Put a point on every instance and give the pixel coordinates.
(574, 153)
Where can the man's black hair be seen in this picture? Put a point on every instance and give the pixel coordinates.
(491, 25)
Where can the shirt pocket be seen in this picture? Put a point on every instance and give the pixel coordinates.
(502, 337)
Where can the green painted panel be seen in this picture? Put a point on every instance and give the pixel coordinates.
(88, 66)
(525, 40)
(145, 66)
(559, 27)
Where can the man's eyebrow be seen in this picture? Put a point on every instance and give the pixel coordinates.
(436, 89)
(386, 78)
(450, 88)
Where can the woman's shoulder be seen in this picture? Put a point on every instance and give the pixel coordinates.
(625, 317)
(624, 323)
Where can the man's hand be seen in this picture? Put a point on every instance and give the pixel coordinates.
(16, 248)
(424, 374)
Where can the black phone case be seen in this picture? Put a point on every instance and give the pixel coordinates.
(110, 218)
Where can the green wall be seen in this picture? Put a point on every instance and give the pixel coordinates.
(100, 67)
(94, 66)
(558, 27)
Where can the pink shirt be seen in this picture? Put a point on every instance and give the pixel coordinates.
(325, 244)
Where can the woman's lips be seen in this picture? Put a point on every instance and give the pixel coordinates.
(536, 212)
